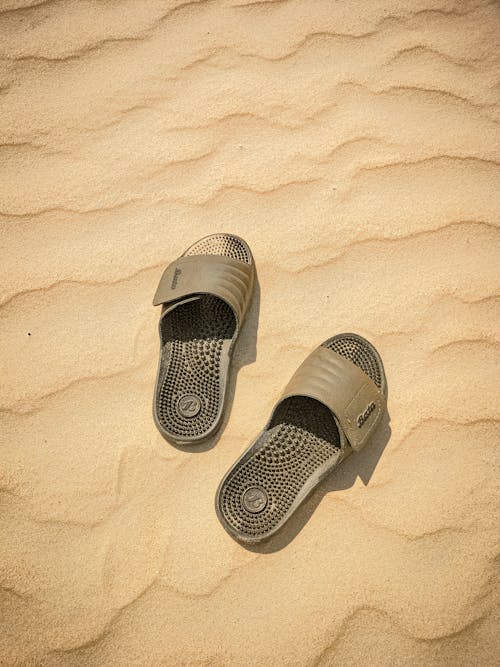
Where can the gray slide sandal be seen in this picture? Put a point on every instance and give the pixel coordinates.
(329, 408)
(204, 297)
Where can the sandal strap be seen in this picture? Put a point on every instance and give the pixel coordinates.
(354, 399)
(229, 279)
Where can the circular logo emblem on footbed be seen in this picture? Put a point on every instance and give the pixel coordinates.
(189, 405)
(254, 499)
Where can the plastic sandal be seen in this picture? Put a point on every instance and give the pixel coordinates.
(204, 297)
(330, 407)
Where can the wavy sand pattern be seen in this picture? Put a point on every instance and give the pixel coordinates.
(356, 146)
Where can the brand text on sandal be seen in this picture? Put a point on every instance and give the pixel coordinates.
(364, 415)
(177, 273)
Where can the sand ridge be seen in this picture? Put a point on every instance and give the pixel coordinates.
(355, 146)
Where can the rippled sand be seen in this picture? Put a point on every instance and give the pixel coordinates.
(355, 145)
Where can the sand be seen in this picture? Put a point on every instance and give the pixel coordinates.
(355, 145)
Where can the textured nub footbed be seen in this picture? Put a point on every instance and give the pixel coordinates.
(302, 437)
(189, 394)
(221, 244)
(195, 340)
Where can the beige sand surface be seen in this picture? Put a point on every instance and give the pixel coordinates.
(355, 145)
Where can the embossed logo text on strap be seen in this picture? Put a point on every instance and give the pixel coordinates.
(177, 273)
(365, 414)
